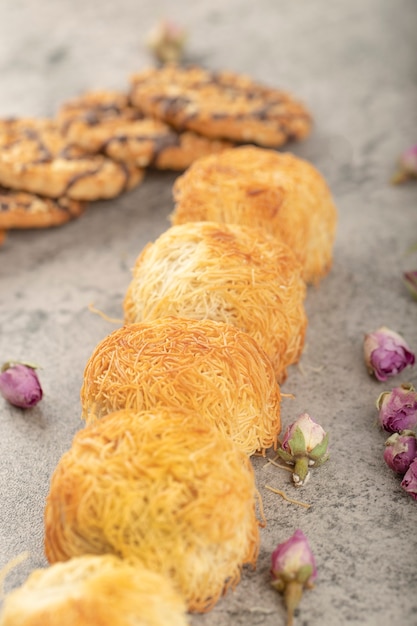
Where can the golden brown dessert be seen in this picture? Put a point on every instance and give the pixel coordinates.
(94, 591)
(163, 488)
(225, 272)
(210, 367)
(279, 192)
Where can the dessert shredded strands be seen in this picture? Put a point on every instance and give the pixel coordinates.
(283, 495)
(225, 272)
(162, 488)
(104, 316)
(7, 568)
(210, 367)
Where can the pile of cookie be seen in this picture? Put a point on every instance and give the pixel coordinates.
(99, 144)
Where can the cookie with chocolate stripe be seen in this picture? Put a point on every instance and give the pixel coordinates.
(35, 157)
(220, 105)
(105, 121)
(20, 209)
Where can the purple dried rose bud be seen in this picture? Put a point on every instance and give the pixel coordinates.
(166, 41)
(407, 166)
(19, 385)
(398, 408)
(304, 445)
(400, 451)
(386, 353)
(410, 281)
(293, 569)
(409, 482)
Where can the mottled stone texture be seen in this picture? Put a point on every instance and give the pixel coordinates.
(353, 63)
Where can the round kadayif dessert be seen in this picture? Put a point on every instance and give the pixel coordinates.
(161, 488)
(94, 590)
(210, 367)
(228, 273)
(285, 195)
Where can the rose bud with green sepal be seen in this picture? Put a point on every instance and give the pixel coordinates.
(293, 569)
(400, 451)
(167, 41)
(407, 166)
(409, 482)
(410, 281)
(386, 353)
(304, 445)
(19, 384)
(398, 408)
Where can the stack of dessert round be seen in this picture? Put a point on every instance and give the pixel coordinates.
(154, 509)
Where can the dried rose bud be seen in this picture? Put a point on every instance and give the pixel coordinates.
(398, 408)
(167, 41)
(407, 166)
(409, 482)
(410, 281)
(386, 353)
(19, 385)
(304, 445)
(293, 569)
(400, 451)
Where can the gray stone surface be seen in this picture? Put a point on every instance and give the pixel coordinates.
(354, 63)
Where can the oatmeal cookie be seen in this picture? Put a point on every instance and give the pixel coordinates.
(35, 157)
(220, 105)
(20, 209)
(104, 121)
(277, 191)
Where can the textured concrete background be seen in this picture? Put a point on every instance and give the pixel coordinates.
(354, 64)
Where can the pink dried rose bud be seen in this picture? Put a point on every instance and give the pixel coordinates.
(304, 445)
(407, 166)
(167, 41)
(19, 385)
(293, 569)
(398, 408)
(409, 482)
(400, 451)
(386, 353)
(410, 281)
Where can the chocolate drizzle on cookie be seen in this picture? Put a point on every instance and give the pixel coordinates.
(220, 105)
(172, 105)
(160, 143)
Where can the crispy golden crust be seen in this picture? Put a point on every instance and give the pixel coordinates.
(35, 157)
(220, 105)
(94, 591)
(163, 488)
(280, 192)
(210, 367)
(20, 209)
(104, 121)
(228, 273)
